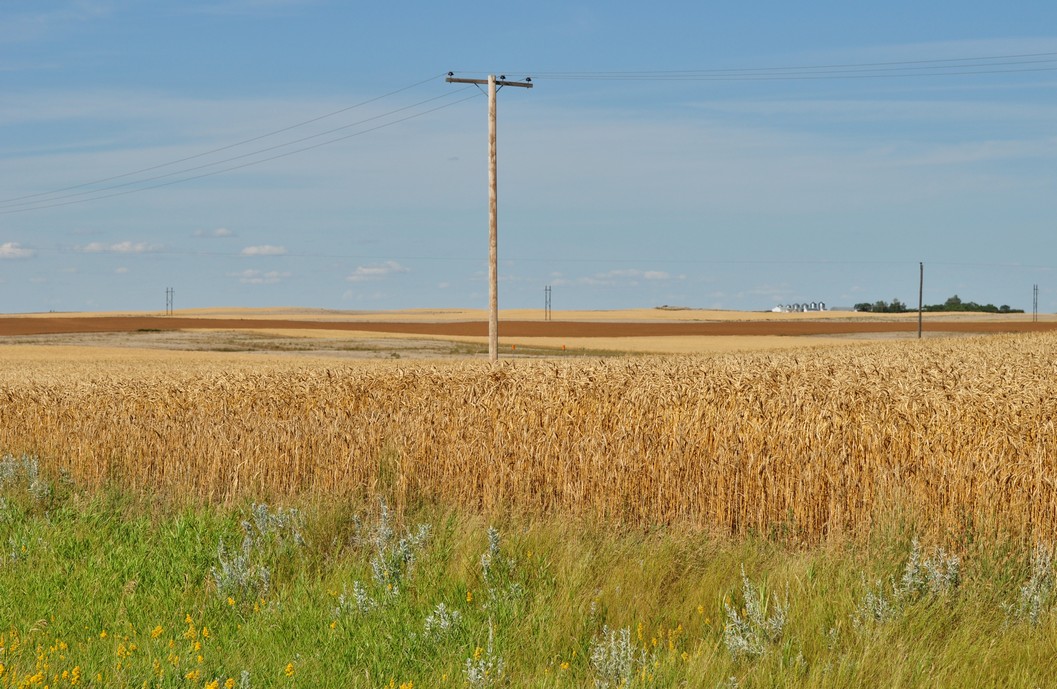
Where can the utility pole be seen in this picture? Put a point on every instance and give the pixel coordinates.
(493, 203)
(169, 294)
(921, 294)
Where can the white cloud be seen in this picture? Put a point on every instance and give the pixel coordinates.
(627, 276)
(119, 248)
(377, 272)
(15, 250)
(264, 250)
(218, 232)
(121, 271)
(260, 277)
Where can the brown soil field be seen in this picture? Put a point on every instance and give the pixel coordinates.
(22, 326)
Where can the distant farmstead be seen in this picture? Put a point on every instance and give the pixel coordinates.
(806, 307)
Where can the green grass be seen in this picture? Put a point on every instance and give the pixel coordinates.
(123, 590)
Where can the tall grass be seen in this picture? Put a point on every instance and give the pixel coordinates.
(959, 433)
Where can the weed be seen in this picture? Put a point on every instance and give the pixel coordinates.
(1036, 592)
(485, 668)
(749, 634)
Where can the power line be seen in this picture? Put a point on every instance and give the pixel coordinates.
(994, 64)
(222, 148)
(95, 195)
(64, 249)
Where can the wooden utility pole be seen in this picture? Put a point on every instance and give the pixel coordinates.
(921, 293)
(493, 203)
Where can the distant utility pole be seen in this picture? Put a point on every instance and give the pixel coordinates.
(547, 303)
(1035, 303)
(169, 294)
(493, 203)
(921, 294)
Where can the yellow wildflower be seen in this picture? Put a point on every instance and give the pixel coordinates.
(156, 632)
(289, 670)
(229, 683)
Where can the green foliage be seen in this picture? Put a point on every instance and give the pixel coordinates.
(953, 303)
(125, 593)
(882, 306)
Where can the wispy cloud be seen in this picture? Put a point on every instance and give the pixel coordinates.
(264, 250)
(34, 25)
(260, 277)
(120, 248)
(622, 276)
(15, 250)
(218, 232)
(249, 7)
(376, 272)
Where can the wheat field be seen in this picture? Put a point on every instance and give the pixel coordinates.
(959, 433)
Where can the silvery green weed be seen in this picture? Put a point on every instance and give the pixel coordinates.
(25, 470)
(747, 634)
(615, 662)
(237, 575)
(499, 573)
(485, 668)
(929, 578)
(392, 562)
(442, 621)
(279, 525)
(938, 574)
(242, 573)
(1036, 593)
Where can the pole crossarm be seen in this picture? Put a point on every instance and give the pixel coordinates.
(501, 81)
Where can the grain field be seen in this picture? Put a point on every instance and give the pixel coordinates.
(958, 433)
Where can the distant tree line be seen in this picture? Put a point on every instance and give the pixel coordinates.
(952, 304)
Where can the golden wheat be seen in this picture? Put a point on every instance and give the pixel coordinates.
(961, 432)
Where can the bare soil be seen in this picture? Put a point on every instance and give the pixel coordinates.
(23, 326)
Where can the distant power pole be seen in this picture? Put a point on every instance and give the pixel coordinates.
(169, 294)
(493, 203)
(921, 294)
(1035, 303)
(547, 303)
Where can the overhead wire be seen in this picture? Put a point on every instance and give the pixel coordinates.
(994, 64)
(259, 137)
(58, 202)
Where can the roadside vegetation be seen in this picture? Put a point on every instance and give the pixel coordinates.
(109, 589)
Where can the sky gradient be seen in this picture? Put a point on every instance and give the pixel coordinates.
(309, 153)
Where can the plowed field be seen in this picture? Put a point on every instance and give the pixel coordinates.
(521, 328)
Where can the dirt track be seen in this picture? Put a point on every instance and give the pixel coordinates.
(64, 324)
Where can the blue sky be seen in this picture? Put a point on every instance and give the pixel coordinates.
(711, 155)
